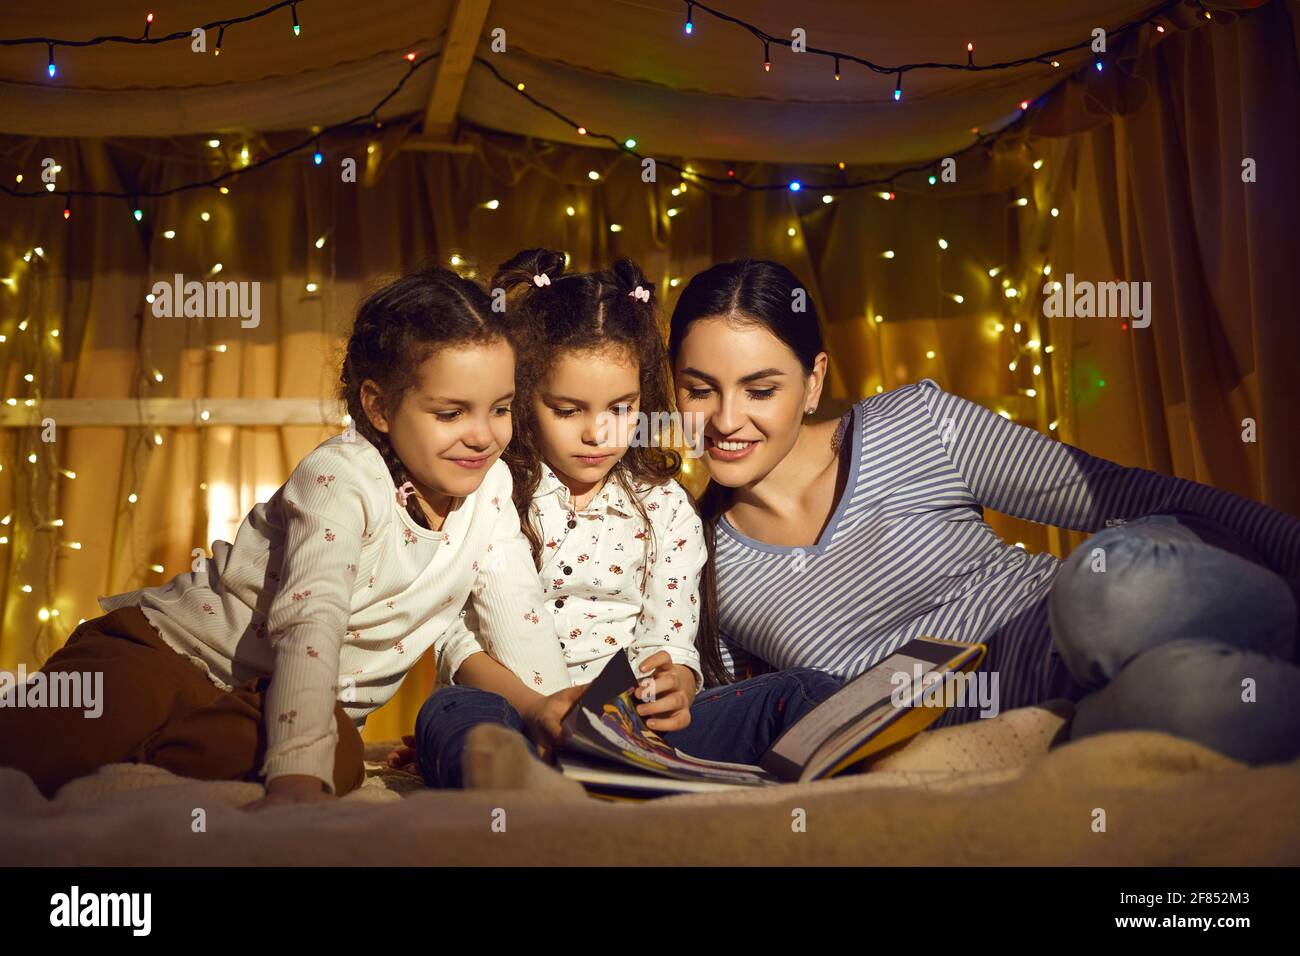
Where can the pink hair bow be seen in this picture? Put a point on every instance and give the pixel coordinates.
(404, 493)
(541, 279)
(640, 293)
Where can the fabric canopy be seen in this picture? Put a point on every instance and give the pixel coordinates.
(624, 67)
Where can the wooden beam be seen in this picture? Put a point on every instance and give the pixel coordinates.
(434, 144)
(170, 412)
(463, 32)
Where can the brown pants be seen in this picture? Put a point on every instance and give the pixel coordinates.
(158, 708)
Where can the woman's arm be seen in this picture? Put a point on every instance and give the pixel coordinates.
(1021, 472)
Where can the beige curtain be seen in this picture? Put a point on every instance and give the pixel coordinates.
(1143, 168)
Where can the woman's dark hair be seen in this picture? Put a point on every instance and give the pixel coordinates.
(396, 329)
(746, 292)
(588, 312)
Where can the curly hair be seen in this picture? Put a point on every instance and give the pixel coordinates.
(590, 312)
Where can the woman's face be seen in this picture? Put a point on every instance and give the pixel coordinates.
(580, 407)
(453, 424)
(751, 392)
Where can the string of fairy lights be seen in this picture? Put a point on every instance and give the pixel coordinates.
(1028, 350)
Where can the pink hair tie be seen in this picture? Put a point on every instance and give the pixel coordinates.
(541, 279)
(404, 493)
(640, 293)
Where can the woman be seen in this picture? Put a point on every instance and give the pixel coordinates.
(837, 542)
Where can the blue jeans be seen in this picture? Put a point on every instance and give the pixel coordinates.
(1185, 631)
(736, 722)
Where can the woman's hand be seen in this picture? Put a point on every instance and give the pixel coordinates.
(292, 788)
(674, 692)
(405, 757)
(543, 719)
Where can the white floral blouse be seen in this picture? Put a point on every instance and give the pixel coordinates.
(611, 581)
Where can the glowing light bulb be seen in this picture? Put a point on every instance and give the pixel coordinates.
(943, 243)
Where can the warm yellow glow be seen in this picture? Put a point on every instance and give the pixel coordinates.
(943, 243)
(570, 211)
(132, 497)
(320, 243)
(994, 271)
(493, 204)
(205, 216)
(888, 253)
(615, 227)
(791, 232)
(593, 175)
(169, 234)
(929, 354)
(1012, 365)
(1038, 164)
(1016, 328)
(673, 212)
(156, 568)
(1055, 212)
(312, 287)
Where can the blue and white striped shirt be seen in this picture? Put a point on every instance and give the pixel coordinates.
(907, 552)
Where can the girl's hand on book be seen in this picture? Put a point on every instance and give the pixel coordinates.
(405, 757)
(543, 719)
(674, 692)
(292, 788)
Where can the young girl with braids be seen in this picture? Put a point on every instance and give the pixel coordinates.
(263, 662)
(617, 543)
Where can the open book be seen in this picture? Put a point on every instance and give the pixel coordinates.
(609, 749)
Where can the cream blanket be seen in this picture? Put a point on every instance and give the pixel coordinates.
(987, 792)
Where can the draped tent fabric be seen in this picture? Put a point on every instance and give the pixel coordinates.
(1143, 163)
